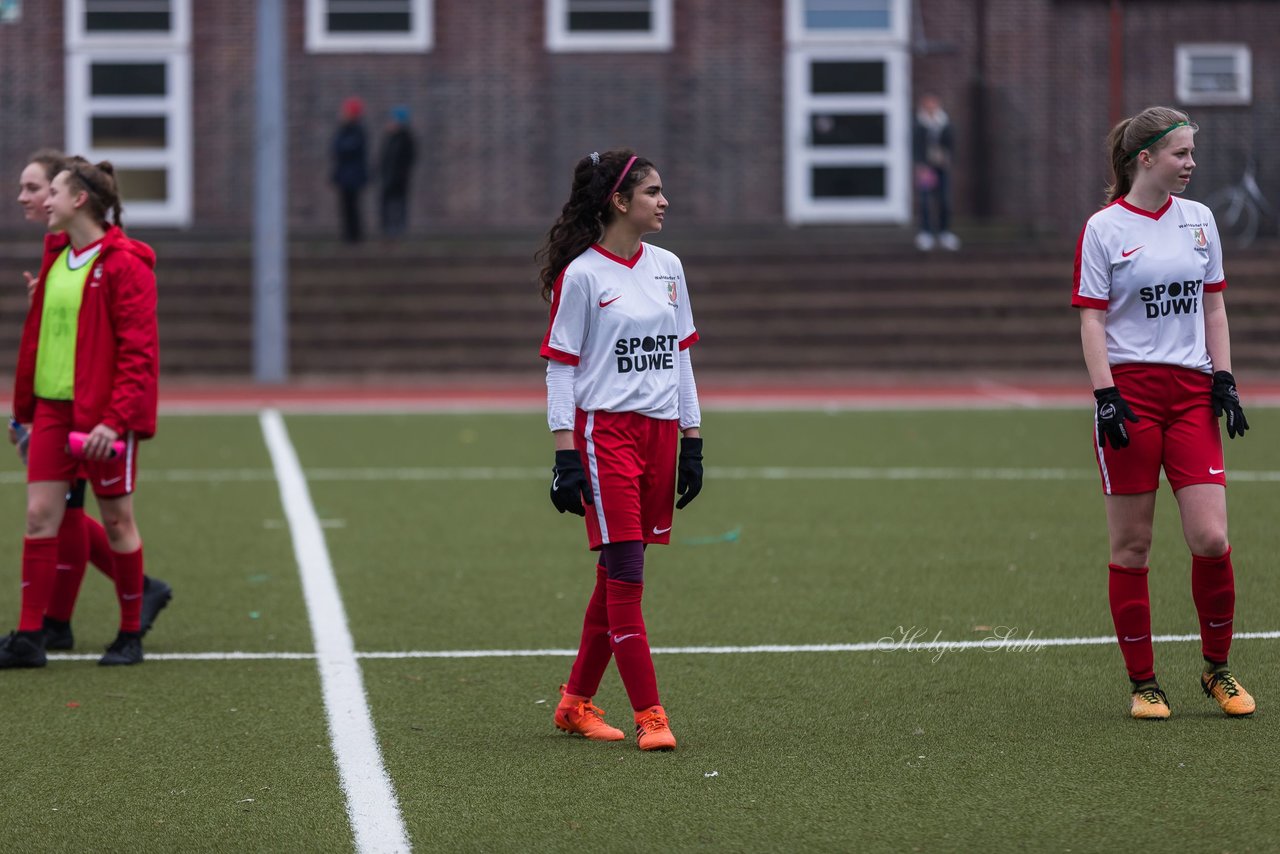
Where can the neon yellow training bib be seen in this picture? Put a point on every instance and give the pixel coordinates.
(56, 357)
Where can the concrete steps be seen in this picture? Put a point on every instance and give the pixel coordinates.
(784, 303)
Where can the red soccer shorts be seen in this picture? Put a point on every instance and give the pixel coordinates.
(47, 457)
(1176, 430)
(631, 463)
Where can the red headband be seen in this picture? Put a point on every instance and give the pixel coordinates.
(621, 175)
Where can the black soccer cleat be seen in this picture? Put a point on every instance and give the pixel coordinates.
(155, 595)
(125, 649)
(23, 649)
(57, 634)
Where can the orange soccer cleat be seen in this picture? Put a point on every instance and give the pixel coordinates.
(576, 714)
(1222, 686)
(653, 730)
(1149, 703)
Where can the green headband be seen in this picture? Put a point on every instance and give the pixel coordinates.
(1161, 135)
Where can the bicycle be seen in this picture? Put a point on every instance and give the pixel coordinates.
(1239, 208)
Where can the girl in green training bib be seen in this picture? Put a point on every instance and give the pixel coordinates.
(87, 376)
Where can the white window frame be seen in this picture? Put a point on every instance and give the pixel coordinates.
(798, 34)
(179, 36)
(1184, 56)
(894, 155)
(420, 38)
(174, 51)
(174, 105)
(660, 37)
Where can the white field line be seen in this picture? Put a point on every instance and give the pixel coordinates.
(507, 473)
(372, 807)
(894, 643)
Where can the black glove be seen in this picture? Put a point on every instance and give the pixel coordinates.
(569, 486)
(1112, 413)
(1227, 399)
(689, 471)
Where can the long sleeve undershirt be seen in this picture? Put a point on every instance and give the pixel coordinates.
(560, 402)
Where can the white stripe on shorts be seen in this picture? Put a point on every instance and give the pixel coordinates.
(129, 441)
(1102, 459)
(595, 475)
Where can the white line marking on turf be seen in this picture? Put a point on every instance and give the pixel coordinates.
(371, 801)
(882, 645)
(505, 473)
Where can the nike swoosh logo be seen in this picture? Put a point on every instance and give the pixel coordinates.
(111, 481)
(621, 638)
(129, 597)
(1124, 254)
(1213, 470)
(663, 531)
(1134, 640)
(1214, 625)
(604, 303)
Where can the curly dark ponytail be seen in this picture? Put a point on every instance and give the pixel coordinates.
(587, 211)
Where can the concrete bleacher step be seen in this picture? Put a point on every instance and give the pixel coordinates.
(782, 303)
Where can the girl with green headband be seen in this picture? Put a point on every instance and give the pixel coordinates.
(1149, 284)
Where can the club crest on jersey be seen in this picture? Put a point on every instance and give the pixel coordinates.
(1198, 237)
(671, 292)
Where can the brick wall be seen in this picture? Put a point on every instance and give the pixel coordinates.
(500, 120)
(32, 106)
(222, 67)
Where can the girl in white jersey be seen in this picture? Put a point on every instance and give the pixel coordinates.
(620, 389)
(1153, 323)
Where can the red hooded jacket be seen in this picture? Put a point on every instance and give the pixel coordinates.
(117, 371)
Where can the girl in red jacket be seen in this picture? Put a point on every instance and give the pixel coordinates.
(88, 364)
(81, 539)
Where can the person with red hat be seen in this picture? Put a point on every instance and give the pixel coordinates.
(350, 167)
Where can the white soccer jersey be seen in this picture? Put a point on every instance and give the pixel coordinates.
(622, 322)
(1149, 272)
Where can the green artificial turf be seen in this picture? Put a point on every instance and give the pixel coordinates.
(442, 539)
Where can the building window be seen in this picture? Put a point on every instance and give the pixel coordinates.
(595, 25)
(1214, 74)
(848, 145)
(114, 23)
(128, 92)
(827, 21)
(848, 114)
(369, 26)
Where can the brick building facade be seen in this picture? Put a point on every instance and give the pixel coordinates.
(723, 105)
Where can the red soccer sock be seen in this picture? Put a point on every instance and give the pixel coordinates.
(39, 565)
(631, 643)
(1131, 612)
(594, 650)
(1213, 587)
(100, 554)
(129, 589)
(73, 554)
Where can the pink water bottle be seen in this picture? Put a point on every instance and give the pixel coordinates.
(75, 445)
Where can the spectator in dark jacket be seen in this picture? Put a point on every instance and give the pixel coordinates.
(395, 163)
(933, 149)
(350, 167)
